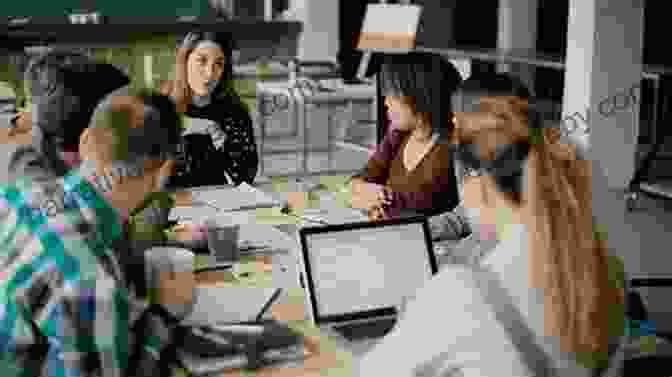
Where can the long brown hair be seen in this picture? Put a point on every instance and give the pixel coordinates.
(178, 87)
(567, 259)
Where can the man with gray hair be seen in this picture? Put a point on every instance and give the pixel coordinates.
(138, 150)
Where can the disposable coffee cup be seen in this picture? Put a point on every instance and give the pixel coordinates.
(223, 241)
(170, 278)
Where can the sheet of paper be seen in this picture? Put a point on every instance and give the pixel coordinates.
(335, 215)
(243, 196)
(217, 304)
(193, 214)
(261, 235)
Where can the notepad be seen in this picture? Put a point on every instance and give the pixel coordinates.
(229, 304)
(276, 357)
(240, 197)
(192, 213)
(335, 215)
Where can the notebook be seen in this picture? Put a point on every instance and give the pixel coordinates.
(229, 198)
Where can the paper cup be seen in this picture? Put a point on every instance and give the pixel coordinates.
(223, 241)
(170, 278)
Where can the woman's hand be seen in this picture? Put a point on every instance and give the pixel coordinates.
(377, 214)
(367, 195)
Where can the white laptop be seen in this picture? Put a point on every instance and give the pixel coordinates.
(355, 275)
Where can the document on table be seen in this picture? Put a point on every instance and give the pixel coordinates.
(240, 197)
(283, 357)
(260, 236)
(192, 213)
(334, 215)
(218, 304)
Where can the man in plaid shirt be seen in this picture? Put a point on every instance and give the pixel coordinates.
(66, 308)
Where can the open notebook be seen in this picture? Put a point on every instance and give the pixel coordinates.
(217, 304)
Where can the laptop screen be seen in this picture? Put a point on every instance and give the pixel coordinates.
(360, 271)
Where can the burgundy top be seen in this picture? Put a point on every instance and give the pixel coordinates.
(428, 189)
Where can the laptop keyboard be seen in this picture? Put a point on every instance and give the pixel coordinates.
(366, 330)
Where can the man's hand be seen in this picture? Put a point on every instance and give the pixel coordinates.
(23, 123)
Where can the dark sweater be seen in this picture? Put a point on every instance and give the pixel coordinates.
(430, 188)
(234, 142)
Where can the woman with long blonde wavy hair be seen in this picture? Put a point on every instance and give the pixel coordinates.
(524, 187)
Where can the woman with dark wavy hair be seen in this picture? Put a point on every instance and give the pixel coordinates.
(412, 169)
(203, 91)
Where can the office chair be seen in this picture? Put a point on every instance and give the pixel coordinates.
(656, 365)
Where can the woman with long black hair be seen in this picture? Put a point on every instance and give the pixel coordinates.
(412, 169)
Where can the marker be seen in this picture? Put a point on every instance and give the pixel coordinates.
(268, 304)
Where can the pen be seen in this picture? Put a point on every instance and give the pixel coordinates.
(213, 268)
(268, 304)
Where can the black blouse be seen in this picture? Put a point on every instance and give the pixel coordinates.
(235, 149)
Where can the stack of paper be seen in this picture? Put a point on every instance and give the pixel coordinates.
(334, 215)
(206, 365)
(236, 198)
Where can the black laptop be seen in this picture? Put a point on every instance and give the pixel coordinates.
(356, 275)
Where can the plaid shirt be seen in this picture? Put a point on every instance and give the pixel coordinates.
(65, 309)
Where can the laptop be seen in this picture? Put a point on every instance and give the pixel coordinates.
(356, 274)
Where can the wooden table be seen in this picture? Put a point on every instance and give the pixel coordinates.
(326, 359)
